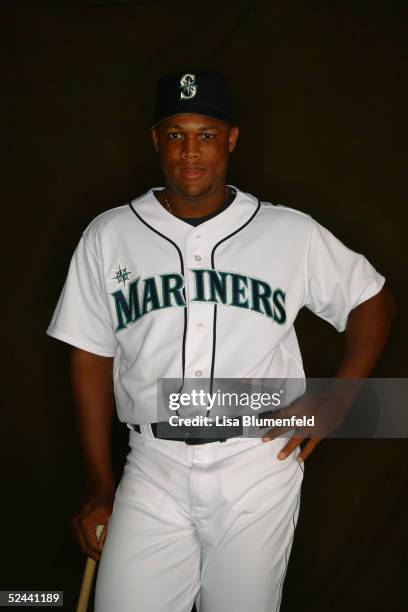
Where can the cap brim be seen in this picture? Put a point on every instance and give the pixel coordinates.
(196, 111)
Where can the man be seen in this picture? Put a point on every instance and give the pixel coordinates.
(199, 280)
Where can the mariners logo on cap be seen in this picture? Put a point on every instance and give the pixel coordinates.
(188, 86)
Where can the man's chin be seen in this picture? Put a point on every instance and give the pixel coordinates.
(193, 192)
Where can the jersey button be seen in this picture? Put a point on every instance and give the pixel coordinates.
(198, 236)
(197, 257)
(198, 372)
(200, 325)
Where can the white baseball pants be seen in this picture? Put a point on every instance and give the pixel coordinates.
(210, 523)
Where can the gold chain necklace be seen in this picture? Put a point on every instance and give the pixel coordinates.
(169, 208)
(167, 205)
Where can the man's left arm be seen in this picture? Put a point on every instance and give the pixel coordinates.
(366, 333)
(367, 329)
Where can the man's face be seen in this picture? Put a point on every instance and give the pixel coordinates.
(193, 152)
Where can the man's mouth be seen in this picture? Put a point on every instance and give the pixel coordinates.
(191, 172)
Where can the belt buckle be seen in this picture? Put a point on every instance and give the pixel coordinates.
(193, 441)
(234, 432)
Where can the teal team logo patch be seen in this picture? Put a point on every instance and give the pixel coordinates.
(122, 275)
(210, 286)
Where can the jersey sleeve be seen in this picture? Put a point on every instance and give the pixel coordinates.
(338, 279)
(81, 316)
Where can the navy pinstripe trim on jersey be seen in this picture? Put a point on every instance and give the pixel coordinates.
(215, 305)
(183, 350)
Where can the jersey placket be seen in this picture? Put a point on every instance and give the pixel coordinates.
(199, 337)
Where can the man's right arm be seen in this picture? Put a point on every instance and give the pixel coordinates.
(92, 385)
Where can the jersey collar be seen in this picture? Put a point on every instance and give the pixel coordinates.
(230, 220)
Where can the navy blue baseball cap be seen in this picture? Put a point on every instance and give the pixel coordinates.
(202, 92)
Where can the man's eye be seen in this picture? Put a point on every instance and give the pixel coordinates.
(174, 136)
(207, 136)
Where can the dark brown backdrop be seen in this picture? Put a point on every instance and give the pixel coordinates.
(321, 94)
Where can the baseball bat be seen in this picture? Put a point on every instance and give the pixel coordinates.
(88, 576)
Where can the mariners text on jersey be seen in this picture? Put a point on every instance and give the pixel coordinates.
(212, 286)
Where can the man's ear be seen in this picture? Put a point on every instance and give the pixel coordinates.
(155, 138)
(233, 137)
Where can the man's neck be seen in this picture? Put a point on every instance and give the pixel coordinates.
(191, 208)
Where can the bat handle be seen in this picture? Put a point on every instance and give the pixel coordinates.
(87, 579)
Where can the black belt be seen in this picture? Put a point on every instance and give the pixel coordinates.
(189, 434)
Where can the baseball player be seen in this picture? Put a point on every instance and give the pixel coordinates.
(199, 280)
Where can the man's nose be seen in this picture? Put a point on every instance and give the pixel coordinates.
(191, 148)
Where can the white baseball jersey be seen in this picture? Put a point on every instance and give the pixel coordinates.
(169, 300)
